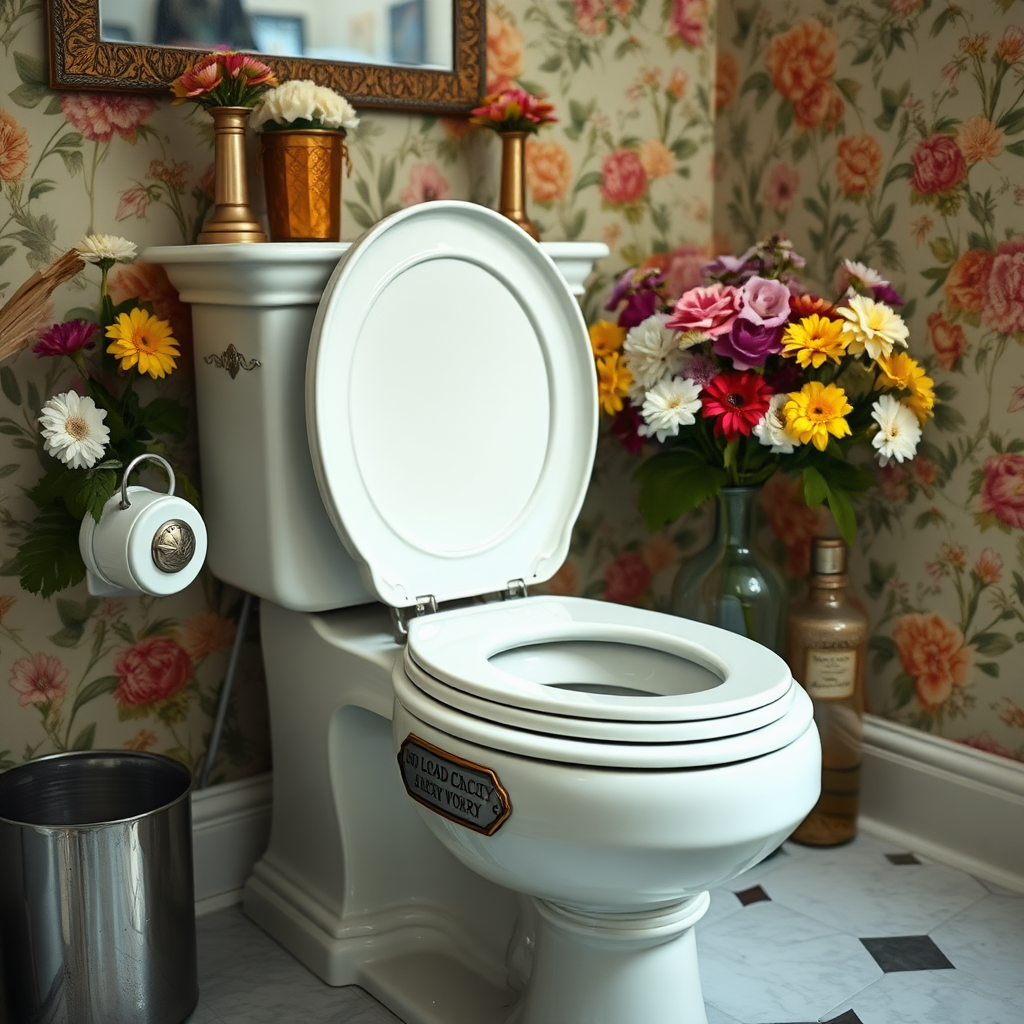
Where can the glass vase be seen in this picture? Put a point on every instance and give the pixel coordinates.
(512, 192)
(731, 584)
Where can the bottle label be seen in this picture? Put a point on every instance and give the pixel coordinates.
(831, 674)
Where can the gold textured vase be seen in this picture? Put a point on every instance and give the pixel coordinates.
(231, 219)
(302, 177)
(512, 195)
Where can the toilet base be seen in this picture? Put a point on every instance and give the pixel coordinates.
(615, 968)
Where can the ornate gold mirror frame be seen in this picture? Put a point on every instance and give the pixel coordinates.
(79, 59)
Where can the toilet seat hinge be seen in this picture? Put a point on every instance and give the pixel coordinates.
(400, 617)
(426, 605)
(515, 588)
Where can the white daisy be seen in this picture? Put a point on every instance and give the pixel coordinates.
(898, 430)
(97, 248)
(669, 405)
(771, 428)
(73, 430)
(861, 274)
(872, 326)
(650, 352)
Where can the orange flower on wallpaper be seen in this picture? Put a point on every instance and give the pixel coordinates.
(677, 83)
(858, 163)
(968, 277)
(933, 653)
(144, 739)
(504, 53)
(980, 139)
(727, 79)
(13, 149)
(791, 520)
(1011, 46)
(548, 170)
(206, 633)
(948, 340)
(821, 106)
(802, 58)
(656, 158)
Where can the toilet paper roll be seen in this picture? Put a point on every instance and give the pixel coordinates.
(156, 546)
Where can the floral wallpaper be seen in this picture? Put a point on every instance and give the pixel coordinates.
(892, 132)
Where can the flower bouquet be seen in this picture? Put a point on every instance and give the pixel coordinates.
(514, 114)
(224, 80)
(752, 373)
(88, 433)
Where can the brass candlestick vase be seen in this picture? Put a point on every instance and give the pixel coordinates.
(302, 173)
(231, 219)
(512, 195)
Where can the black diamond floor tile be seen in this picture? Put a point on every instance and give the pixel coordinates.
(850, 1017)
(753, 895)
(901, 858)
(907, 953)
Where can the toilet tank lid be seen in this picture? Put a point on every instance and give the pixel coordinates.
(451, 405)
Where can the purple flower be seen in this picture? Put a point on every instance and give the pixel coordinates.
(700, 369)
(749, 344)
(886, 293)
(641, 290)
(785, 379)
(63, 339)
(639, 306)
(728, 269)
(765, 302)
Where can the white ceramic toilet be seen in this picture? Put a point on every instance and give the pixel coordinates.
(513, 812)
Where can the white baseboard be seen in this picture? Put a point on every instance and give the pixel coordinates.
(948, 801)
(230, 827)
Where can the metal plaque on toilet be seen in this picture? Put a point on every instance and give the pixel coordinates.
(453, 787)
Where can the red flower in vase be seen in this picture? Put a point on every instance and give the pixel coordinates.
(736, 402)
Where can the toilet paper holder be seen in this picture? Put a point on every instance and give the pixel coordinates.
(146, 542)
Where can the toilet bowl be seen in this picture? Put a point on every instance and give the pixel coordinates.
(512, 813)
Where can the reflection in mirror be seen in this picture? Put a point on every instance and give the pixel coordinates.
(393, 32)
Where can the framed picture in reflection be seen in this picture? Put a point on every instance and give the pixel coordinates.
(408, 32)
(280, 34)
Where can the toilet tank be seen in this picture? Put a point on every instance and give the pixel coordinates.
(252, 311)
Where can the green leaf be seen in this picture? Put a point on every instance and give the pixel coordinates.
(947, 15)
(164, 416)
(9, 384)
(11, 467)
(992, 644)
(30, 69)
(903, 689)
(1012, 122)
(815, 488)
(85, 739)
(386, 179)
(588, 180)
(360, 214)
(1016, 148)
(40, 187)
(69, 139)
(683, 149)
(784, 116)
(95, 491)
(842, 512)
(28, 96)
(672, 483)
(48, 558)
(990, 668)
(98, 687)
(72, 161)
(363, 189)
(896, 172)
(552, 63)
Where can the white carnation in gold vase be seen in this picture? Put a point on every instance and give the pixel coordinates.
(302, 104)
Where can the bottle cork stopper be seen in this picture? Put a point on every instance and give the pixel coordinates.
(828, 556)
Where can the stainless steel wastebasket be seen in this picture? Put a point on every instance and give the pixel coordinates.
(97, 911)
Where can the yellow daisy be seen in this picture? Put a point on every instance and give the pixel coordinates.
(613, 382)
(606, 337)
(813, 340)
(144, 340)
(900, 372)
(815, 411)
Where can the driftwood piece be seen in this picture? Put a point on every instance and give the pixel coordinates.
(29, 307)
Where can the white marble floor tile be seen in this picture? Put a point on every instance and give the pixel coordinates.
(927, 997)
(717, 1016)
(1000, 890)
(985, 944)
(768, 963)
(856, 889)
(723, 903)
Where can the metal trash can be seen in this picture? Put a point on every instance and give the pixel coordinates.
(97, 905)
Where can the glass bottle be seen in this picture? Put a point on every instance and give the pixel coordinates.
(731, 584)
(828, 634)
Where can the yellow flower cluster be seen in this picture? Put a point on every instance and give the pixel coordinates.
(143, 340)
(613, 378)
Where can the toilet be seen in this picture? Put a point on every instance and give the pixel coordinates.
(490, 807)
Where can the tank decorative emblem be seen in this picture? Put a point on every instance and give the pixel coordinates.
(453, 787)
(173, 546)
(232, 360)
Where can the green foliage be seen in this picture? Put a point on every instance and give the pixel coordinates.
(48, 559)
(675, 482)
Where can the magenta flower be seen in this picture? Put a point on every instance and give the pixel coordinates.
(63, 339)
(749, 344)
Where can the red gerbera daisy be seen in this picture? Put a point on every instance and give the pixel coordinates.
(736, 401)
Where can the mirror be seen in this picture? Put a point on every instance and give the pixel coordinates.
(413, 55)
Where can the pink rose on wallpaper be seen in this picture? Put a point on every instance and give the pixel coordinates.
(712, 310)
(627, 578)
(426, 183)
(892, 483)
(134, 203)
(925, 471)
(504, 53)
(13, 149)
(548, 170)
(933, 653)
(1003, 306)
(152, 669)
(681, 267)
(591, 16)
(781, 187)
(938, 165)
(1002, 492)
(623, 178)
(150, 283)
(99, 115)
(689, 21)
(982, 741)
(968, 278)
(948, 340)
(39, 679)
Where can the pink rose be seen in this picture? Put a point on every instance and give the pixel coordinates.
(623, 178)
(591, 16)
(153, 669)
(1003, 305)
(627, 578)
(765, 302)
(1002, 493)
(938, 165)
(426, 183)
(98, 115)
(711, 310)
(689, 21)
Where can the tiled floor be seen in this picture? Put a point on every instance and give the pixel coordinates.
(860, 934)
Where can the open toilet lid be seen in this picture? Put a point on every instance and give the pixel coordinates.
(451, 405)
